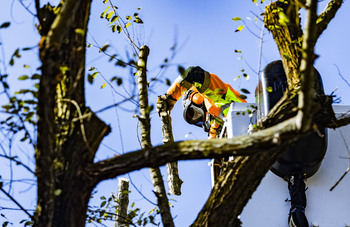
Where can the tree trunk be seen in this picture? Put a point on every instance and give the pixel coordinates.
(68, 132)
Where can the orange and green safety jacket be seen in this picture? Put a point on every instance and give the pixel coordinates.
(218, 95)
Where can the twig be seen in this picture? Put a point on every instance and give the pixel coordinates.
(19, 205)
(341, 178)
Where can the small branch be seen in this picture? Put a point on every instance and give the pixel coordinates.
(174, 181)
(341, 178)
(126, 33)
(18, 162)
(327, 15)
(80, 119)
(15, 201)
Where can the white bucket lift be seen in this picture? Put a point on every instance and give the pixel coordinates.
(239, 121)
(269, 204)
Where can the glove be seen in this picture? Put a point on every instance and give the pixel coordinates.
(165, 103)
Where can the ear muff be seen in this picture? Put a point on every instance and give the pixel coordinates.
(196, 98)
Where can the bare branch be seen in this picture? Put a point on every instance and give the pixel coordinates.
(17, 203)
(145, 127)
(262, 141)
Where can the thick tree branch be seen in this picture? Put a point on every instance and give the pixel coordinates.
(261, 141)
(327, 15)
(307, 90)
(59, 29)
(282, 20)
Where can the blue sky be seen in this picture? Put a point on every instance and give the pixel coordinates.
(206, 34)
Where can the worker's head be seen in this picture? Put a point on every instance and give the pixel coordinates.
(194, 74)
(194, 108)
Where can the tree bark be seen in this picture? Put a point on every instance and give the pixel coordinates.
(65, 145)
(145, 126)
(174, 181)
(122, 203)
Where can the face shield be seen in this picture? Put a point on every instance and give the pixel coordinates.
(194, 113)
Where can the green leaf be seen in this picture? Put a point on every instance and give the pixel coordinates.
(127, 25)
(128, 17)
(119, 81)
(104, 47)
(138, 21)
(109, 15)
(167, 82)
(5, 224)
(5, 25)
(245, 91)
(238, 51)
(12, 61)
(90, 78)
(103, 85)
(119, 29)
(242, 97)
(112, 57)
(269, 89)
(283, 19)
(58, 192)
(239, 28)
(254, 1)
(246, 76)
(181, 70)
(91, 68)
(94, 75)
(105, 1)
(114, 18)
(35, 76)
(80, 31)
(28, 223)
(114, 28)
(236, 19)
(24, 77)
(103, 203)
(104, 12)
(16, 53)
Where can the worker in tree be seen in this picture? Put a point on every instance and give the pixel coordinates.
(206, 101)
(208, 98)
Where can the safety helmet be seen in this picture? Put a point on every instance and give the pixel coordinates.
(194, 108)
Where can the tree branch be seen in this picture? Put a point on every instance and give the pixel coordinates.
(59, 27)
(145, 126)
(327, 15)
(305, 104)
(261, 141)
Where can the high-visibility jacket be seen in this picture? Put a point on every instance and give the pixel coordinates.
(218, 95)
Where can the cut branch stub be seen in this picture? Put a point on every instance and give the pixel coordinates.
(174, 181)
(122, 202)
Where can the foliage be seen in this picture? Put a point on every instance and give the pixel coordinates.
(135, 217)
